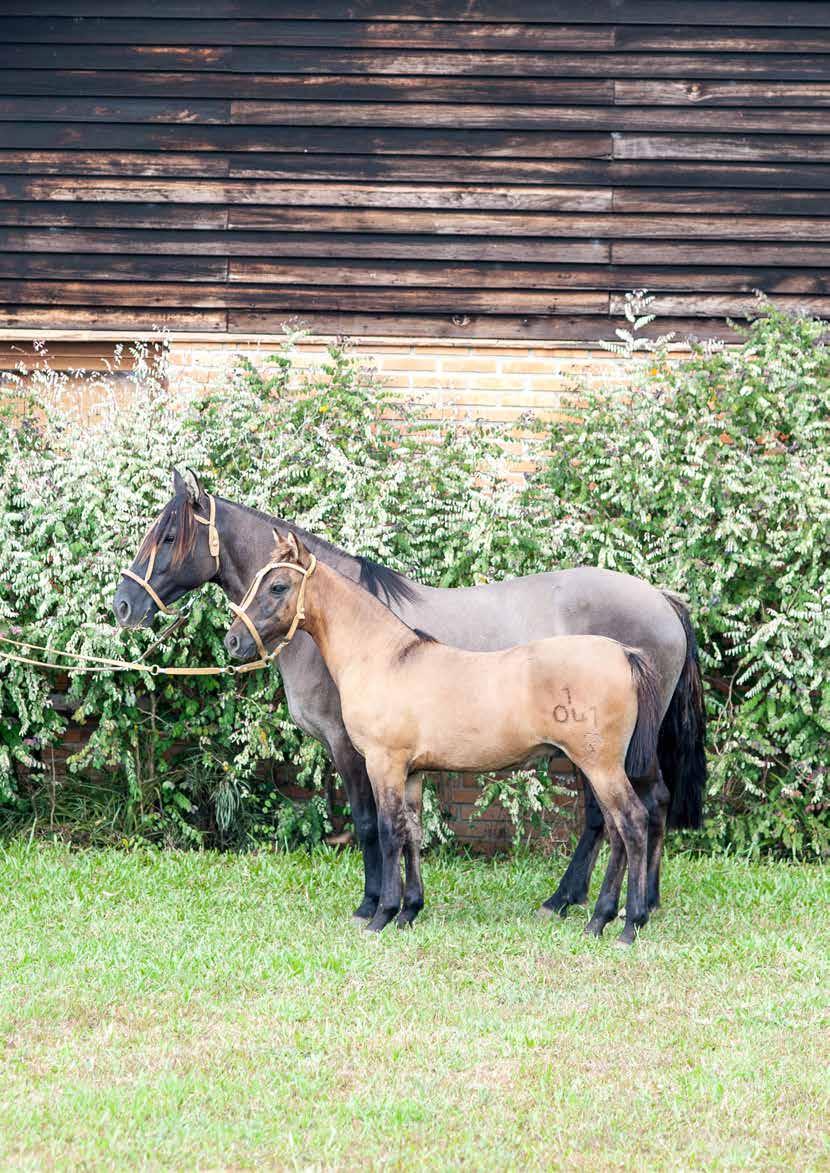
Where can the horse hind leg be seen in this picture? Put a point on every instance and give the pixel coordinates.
(573, 887)
(630, 818)
(608, 901)
(413, 893)
(656, 800)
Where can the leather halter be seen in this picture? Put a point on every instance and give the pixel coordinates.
(241, 609)
(213, 547)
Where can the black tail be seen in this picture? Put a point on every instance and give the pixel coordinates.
(681, 749)
(643, 745)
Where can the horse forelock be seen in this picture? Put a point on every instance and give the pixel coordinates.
(177, 512)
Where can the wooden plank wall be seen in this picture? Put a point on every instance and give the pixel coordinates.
(441, 167)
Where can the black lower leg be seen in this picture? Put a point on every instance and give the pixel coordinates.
(608, 901)
(413, 892)
(573, 887)
(352, 770)
(392, 835)
(366, 827)
(633, 826)
(657, 804)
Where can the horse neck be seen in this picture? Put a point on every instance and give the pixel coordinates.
(246, 540)
(349, 625)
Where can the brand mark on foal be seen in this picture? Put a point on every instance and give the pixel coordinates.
(565, 713)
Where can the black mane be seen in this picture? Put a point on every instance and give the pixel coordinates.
(419, 639)
(377, 578)
(381, 581)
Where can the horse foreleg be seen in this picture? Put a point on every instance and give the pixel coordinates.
(573, 887)
(413, 893)
(352, 769)
(388, 779)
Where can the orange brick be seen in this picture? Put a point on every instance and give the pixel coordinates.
(495, 382)
(407, 362)
(439, 381)
(554, 383)
(476, 395)
(478, 364)
(530, 399)
(526, 366)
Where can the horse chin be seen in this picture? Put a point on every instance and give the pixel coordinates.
(134, 620)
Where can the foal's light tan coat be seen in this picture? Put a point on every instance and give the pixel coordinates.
(411, 704)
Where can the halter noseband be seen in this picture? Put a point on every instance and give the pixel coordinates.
(240, 610)
(213, 547)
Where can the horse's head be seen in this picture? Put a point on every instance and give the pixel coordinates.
(174, 557)
(273, 606)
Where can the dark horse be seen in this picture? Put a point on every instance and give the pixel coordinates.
(177, 555)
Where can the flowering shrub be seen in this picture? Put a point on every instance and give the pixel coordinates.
(713, 479)
(182, 761)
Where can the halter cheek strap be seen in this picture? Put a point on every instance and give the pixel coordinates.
(240, 610)
(213, 532)
(213, 547)
(145, 582)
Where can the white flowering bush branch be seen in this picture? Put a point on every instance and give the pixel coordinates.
(194, 761)
(712, 478)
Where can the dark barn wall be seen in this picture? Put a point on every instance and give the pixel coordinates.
(445, 168)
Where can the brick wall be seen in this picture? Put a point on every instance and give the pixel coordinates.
(486, 379)
(493, 380)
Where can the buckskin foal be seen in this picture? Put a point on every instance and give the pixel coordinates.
(411, 704)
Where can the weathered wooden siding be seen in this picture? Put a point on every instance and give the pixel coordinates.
(434, 168)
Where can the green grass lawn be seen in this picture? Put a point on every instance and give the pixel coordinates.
(198, 1010)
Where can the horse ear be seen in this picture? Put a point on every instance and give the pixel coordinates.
(179, 486)
(287, 547)
(192, 486)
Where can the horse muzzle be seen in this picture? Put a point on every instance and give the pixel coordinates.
(240, 646)
(130, 611)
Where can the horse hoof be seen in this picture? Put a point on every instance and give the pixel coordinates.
(545, 913)
(626, 938)
(594, 928)
(379, 921)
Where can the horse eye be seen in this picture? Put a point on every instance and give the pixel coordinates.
(278, 588)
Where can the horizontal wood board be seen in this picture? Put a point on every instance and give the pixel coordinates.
(446, 168)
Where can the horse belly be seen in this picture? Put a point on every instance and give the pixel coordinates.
(471, 726)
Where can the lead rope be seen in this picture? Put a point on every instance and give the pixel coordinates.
(107, 664)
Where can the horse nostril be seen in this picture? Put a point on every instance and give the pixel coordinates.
(233, 644)
(122, 610)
